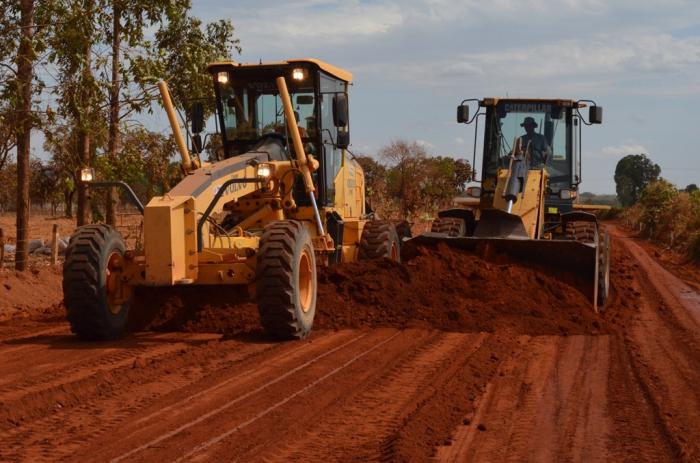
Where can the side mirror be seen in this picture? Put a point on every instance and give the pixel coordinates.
(462, 114)
(340, 110)
(196, 143)
(595, 115)
(343, 140)
(197, 117)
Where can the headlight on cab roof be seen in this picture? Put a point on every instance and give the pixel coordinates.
(222, 77)
(298, 74)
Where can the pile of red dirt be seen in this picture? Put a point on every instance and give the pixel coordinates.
(442, 287)
(216, 309)
(26, 294)
(454, 290)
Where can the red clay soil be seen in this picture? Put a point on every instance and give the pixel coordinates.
(681, 266)
(26, 294)
(453, 290)
(530, 374)
(441, 288)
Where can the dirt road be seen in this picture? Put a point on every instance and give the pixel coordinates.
(623, 387)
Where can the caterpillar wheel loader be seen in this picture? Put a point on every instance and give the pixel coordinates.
(526, 204)
(284, 196)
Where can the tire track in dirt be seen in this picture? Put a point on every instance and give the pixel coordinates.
(72, 414)
(171, 385)
(546, 404)
(38, 368)
(390, 397)
(271, 403)
(10, 334)
(663, 344)
(186, 406)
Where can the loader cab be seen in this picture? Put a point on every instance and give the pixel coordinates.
(552, 129)
(250, 114)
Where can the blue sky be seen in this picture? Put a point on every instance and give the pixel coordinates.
(414, 61)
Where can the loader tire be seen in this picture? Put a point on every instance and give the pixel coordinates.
(95, 310)
(286, 280)
(581, 231)
(380, 240)
(450, 226)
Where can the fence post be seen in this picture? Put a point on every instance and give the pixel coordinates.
(54, 245)
(2, 248)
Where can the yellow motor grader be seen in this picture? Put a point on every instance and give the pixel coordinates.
(284, 196)
(526, 204)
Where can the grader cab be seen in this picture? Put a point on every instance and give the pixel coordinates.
(283, 196)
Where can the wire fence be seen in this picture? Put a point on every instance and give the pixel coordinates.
(48, 238)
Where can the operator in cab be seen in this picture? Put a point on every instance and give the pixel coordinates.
(538, 150)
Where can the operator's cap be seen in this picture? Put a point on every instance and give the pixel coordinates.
(529, 120)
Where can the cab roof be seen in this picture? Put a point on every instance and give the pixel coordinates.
(494, 101)
(337, 72)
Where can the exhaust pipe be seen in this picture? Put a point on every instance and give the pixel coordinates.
(299, 148)
(179, 139)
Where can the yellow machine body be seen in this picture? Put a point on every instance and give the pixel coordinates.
(181, 249)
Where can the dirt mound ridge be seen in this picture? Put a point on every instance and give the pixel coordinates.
(443, 288)
(454, 290)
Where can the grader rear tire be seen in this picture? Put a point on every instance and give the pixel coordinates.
(97, 304)
(450, 226)
(380, 240)
(286, 280)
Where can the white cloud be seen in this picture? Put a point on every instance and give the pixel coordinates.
(293, 24)
(459, 140)
(425, 144)
(632, 63)
(604, 54)
(623, 150)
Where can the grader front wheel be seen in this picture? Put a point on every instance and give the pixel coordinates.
(286, 280)
(96, 299)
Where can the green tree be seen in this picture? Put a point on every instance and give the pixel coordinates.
(405, 175)
(632, 174)
(23, 26)
(79, 94)
(656, 201)
(126, 23)
(183, 48)
(375, 181)
(691, 188)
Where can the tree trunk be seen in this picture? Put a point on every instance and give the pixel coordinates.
(68, 203)
(113, 142)
(84, 120)
(84, 152)
(25, 61)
